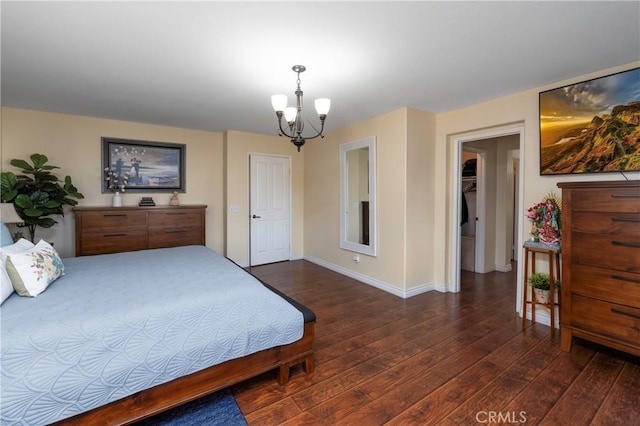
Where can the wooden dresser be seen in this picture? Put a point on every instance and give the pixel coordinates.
(601, 264)
(102, 230)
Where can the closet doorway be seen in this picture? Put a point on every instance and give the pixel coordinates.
(472, 215)
(497, 210)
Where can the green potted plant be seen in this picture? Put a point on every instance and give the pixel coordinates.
(37, 193)
(541, 283)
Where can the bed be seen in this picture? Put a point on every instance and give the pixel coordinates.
(120, 337)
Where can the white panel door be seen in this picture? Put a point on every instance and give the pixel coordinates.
(270, 209)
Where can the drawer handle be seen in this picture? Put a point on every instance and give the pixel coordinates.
(629, 314)
(622, 278)
(625, 219)
(625, 195)
(625, 244)
(115, 215)
(176, 213)
(115, 235)
(175, 231)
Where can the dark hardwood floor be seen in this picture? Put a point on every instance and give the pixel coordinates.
(436, 359)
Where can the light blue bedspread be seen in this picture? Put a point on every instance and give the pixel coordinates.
(117, 324)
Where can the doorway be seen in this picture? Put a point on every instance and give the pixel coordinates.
(498, 244)
(472, 225)
(270, 209)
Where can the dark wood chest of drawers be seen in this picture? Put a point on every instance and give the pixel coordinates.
(601, 264)
(102, 230)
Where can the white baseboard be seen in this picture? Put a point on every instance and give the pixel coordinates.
(542, 317)
(376, 283)
(503, 268)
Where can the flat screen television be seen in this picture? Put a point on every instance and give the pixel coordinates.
(592, 126)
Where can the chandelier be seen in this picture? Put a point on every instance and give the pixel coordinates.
(294, 116)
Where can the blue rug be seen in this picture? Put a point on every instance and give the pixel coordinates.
(217, 409)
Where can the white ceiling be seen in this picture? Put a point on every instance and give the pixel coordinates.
(214, 65)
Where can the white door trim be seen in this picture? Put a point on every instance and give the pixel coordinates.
(456, 178)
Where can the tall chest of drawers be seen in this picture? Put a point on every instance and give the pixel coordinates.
(601, 264)
(101, 230)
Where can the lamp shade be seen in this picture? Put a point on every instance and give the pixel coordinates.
(290, 114)
(279, 102)
(8, 213)
(322, 106)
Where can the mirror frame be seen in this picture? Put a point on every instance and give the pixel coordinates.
(371, 249)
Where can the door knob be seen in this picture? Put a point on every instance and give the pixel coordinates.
(256, 217)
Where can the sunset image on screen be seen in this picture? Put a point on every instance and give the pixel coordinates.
(593, 126)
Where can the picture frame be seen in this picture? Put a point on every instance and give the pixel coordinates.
(592, 126)
(149, 166)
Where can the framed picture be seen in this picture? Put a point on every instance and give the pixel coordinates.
(149, 166)
(592, 126)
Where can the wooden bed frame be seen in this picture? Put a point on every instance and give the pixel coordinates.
(169, 395)
(184, 389)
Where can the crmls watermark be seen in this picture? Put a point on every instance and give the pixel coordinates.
(512, 417)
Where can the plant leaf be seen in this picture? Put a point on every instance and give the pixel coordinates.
(21, 164)
(23, 201)
(32, 212)
(39, 160)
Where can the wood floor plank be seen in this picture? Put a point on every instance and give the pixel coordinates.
(583, 398)
(275, 413)
(394, 401)
(499, 392)
(435, 358)
(622, 405)
(447, 398)
(540, 395)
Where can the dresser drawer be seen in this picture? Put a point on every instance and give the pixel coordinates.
(606, 284)
(622, 200)
(118, 229)
(172, 237)
(178, 218)
(114, 219)
(622, 224)
(621, 253)
(113, 241)
(606, 318)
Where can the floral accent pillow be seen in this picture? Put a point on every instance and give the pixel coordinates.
(32, 271)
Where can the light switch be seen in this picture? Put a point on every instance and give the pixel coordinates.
(234, 209)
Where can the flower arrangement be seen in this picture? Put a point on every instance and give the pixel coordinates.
(116, 182)
(545, 219)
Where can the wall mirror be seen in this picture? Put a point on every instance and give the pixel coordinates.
(358, 196)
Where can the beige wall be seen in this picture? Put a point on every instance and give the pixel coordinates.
(505, 112)
(238, 146)
(421, 201)
(322, 198)
(402, 148)
(73, 143)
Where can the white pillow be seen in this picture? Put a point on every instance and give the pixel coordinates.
(5, 285)
(17, 247)
(33, 270)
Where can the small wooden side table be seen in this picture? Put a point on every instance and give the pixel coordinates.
(553, 252)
